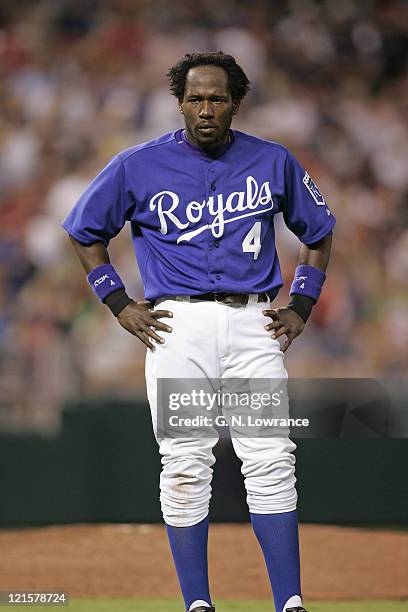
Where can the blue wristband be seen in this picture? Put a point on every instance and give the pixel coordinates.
(308, 281)
(104, 280)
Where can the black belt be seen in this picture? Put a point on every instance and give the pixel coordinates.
(223, 298)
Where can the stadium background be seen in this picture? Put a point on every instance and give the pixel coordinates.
(81, 80)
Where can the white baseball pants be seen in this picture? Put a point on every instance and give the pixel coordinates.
(218, 341)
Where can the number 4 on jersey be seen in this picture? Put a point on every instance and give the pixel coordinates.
(252, 241)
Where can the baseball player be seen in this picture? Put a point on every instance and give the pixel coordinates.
(201, 203)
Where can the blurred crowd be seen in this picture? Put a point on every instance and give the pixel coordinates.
(83, 79)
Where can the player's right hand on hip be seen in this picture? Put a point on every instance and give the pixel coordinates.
(141, 320)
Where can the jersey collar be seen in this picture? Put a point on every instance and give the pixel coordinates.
(181, 138)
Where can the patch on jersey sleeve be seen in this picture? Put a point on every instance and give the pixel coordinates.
(314, 192)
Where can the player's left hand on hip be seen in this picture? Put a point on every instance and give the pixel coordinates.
(285, 322)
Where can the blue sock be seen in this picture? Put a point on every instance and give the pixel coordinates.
(189, 548)
(279, 540)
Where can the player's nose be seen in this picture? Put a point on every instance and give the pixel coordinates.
(206, 109)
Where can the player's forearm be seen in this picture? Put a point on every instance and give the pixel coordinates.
(105, 281)
(316, 255)
(91, 256)
(308, 281)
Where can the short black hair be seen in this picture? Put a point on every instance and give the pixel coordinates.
(238, 82)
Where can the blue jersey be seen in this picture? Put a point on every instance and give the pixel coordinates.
(202, 223)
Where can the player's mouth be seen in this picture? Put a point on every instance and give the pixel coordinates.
(206, 128)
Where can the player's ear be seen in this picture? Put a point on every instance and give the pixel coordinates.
(235, 106)
(181, 107)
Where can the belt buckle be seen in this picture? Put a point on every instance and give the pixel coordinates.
(227, 299)
(218, 297)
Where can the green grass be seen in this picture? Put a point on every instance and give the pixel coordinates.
(171, 605)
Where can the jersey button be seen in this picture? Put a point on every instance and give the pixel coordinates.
(218, 277)
(213, 186)
(216, 244)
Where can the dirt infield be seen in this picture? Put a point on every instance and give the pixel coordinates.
(134, 561)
